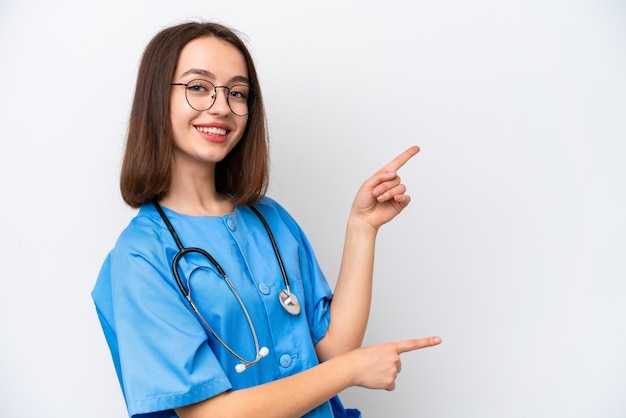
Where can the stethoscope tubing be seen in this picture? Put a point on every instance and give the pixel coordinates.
(274, 246)
(182, 251)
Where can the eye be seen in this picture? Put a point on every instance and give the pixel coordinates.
(199, 87)
(240, 92)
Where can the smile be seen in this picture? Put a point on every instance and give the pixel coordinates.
(212, 130)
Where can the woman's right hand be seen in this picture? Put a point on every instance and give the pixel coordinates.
(374, 367)
(377, 366)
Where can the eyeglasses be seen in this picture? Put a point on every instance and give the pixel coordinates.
(201, 94)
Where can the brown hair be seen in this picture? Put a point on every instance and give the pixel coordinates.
(146, 168)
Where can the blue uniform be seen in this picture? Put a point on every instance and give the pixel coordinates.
(163, 355)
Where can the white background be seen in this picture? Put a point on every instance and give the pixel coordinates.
(513, 249)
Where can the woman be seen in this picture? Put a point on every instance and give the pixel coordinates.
(244, 324)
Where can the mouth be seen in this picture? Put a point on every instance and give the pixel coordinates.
(211, 130)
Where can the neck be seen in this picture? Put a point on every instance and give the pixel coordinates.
(194, 193)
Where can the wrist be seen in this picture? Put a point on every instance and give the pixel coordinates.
(346, 369)
(359, 225)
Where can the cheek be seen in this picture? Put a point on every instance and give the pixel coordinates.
(242, 123)
(181, 113)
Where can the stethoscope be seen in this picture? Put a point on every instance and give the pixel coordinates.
(287, 299)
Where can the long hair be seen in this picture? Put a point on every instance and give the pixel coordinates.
(147, 165)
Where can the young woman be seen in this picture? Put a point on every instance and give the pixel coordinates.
(211, 301)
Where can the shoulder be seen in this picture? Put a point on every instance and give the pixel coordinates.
(268, 202)
(143, 231)
(133, 260)
(139, 259)
(269, 206)
(278, 217)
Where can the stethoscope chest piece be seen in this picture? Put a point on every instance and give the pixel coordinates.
(289, 301)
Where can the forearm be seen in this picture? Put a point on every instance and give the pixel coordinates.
(374, 367)
(349, 311)
(289, 397)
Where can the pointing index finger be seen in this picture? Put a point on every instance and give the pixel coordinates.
(416, 344)
(400, 160)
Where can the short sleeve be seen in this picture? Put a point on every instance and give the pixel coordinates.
(158, 347)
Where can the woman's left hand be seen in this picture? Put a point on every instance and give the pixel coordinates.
(382, 196)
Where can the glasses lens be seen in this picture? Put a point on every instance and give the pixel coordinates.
(200, 94)
(241, 98)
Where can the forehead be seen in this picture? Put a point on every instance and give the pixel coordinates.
(214, 55)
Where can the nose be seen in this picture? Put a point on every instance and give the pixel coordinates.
(220, 104)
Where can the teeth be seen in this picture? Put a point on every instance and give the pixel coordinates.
(212, 130)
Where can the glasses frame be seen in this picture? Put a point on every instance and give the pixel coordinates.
(251, 99)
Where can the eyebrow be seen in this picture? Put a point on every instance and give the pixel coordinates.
(208, 74)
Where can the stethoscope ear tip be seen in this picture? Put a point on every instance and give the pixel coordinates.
(241, 367)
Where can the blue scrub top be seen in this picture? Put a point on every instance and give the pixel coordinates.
(163, 356)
